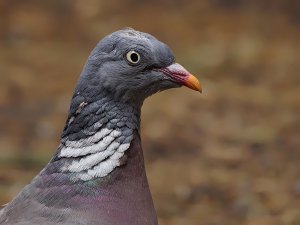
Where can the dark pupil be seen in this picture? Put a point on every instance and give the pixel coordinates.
(134, 57)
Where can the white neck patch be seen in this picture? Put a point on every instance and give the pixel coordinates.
(106, 141)
(98, 155)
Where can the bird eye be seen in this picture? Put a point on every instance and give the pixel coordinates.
(133, 57)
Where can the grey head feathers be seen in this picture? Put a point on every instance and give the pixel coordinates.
(107, 67)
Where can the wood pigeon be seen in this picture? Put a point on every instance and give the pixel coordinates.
(97, 175)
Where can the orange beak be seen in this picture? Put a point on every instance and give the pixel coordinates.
(180, 75)
(193, 83)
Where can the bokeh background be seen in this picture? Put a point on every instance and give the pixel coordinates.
(228, 156)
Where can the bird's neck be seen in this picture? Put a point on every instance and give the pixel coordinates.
(97, 137)
(100, 165)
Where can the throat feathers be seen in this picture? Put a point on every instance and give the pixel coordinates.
(100, 146)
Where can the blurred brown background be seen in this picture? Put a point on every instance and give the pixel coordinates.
(228, 156)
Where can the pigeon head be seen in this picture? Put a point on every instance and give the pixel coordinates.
(133, 65)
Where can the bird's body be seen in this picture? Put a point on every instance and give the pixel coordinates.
(123, 197)
(97, 176)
